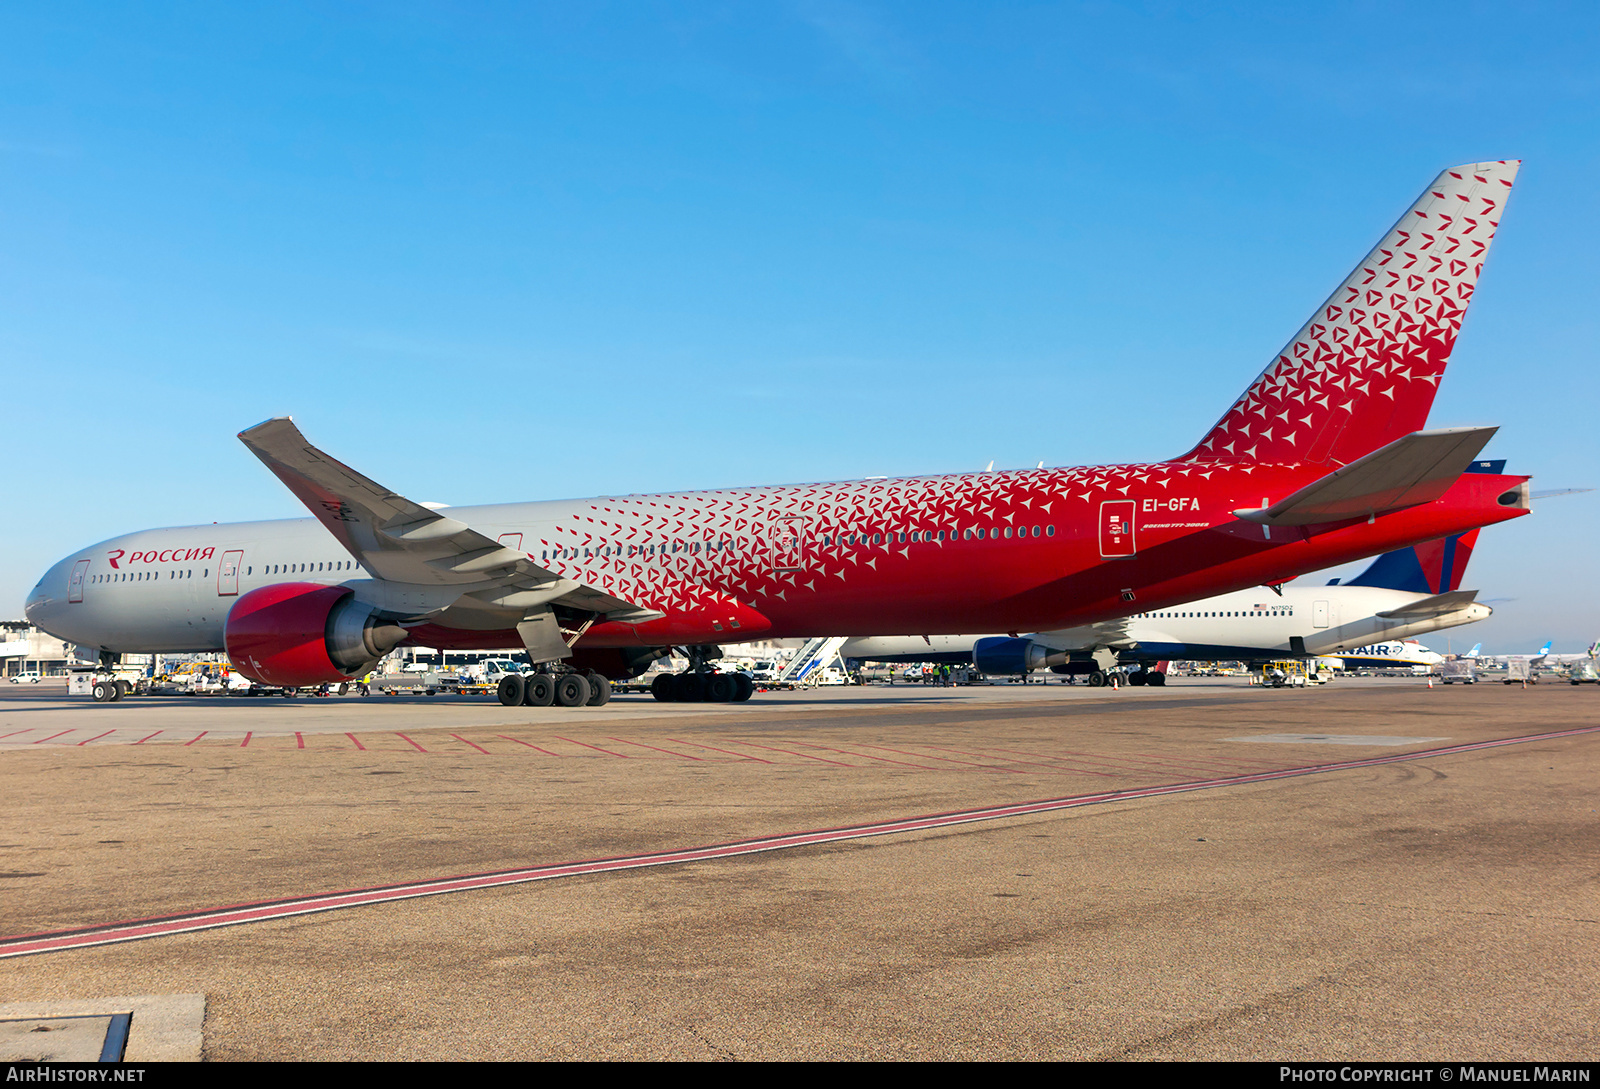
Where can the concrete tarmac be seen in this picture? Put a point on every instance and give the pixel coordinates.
(1441, 908)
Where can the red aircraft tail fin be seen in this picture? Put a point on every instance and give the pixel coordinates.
(1364, 370)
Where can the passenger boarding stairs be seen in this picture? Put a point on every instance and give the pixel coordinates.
(806, 667)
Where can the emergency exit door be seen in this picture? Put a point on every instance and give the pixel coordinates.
(228, 574)
(787, 537)
(1116, 529)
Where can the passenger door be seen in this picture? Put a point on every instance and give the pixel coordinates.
(1116, 529)
(80, 571)
(228, 574)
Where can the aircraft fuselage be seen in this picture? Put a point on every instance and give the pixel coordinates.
(1009, 551)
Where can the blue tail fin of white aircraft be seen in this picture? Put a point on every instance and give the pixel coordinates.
(1434, 567)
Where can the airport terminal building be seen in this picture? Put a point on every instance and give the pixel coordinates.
(26, 649)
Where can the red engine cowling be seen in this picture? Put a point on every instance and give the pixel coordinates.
(279, 635)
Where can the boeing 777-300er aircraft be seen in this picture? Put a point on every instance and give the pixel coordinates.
(1403, 593)
(1321, 461)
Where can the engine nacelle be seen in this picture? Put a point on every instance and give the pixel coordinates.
(1002, 655)
(293, 634)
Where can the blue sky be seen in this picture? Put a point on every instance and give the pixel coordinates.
(489, 252)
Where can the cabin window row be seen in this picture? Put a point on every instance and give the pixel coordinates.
(932, 536)
(1220, 614)
(143, 576)
(303, 568)
(928, 536)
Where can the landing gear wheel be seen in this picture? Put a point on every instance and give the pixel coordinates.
(123, 688)
(662, 688)
(599, 690)
(1097, 679)
(541, 690)
(344, 687)
(1156, 680)
(104, 691)
(1139, 678)
(572, 690)
(746, 686)
(691, 688)
(510, 690)
(720, 688)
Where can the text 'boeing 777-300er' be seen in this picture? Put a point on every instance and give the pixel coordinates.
(1322, 461)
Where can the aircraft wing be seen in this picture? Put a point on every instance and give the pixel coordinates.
(1414, 469)
(401, 541)
(1436, 605)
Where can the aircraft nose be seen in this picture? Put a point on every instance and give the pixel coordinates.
(37, 607)
(44, 604)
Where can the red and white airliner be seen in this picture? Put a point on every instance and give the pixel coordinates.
(1323, 460)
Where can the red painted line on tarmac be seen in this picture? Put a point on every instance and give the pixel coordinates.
(97, 737)
(196, 737)
(713, 748)
(410, 742)
(1031, 763)
(968, 763)
(869, 756)
(596, 748)
(237, 914)
(356, 743)
(641, 745)
(147, 737)
(248, 734)
(299, 740)
(464, 741)
(530, 745)
(805, 755)
(13, 733)
(52, 737)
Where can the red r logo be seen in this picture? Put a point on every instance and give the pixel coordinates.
(114, 557)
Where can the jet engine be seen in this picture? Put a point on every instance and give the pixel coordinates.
(1001, 655)
(293, 634)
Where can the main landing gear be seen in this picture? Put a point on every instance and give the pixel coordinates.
(561, 689)
(698, 684)
(703, 687)
(1154, 678)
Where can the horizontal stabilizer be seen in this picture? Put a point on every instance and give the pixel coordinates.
(1436, 605)
(401, 541)
(1417, 468)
